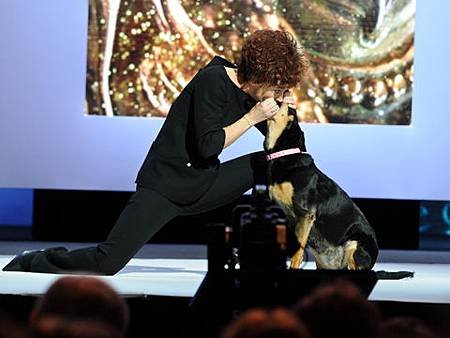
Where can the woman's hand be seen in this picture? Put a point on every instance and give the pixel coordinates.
(262, 111)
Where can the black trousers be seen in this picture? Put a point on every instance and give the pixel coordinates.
(145, 214)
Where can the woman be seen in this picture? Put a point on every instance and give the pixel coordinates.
(181, 174)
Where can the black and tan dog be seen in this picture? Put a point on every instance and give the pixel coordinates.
(322, 215)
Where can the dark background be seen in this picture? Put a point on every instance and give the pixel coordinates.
(87, 216)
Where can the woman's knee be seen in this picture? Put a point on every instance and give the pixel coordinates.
(106, 263)
(110, 267)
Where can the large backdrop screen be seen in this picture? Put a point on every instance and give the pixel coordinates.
(86, 85)
(141, 54)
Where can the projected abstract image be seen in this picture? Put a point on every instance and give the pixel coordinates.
(434, 227)
(141, 54)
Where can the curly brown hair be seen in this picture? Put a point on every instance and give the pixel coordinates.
(272, 57)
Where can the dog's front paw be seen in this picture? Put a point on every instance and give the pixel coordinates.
(297, 260)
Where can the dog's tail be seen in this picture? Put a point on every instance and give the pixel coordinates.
(382, 274)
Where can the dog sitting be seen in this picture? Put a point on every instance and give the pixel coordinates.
(321, 214)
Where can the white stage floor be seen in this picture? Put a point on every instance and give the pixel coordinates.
(175, 273)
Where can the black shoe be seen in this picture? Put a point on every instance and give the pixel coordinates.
(22, 261)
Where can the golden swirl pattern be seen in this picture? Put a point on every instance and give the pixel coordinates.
(141, 53)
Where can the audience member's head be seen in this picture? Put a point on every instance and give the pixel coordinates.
(60, 327)
(11, 328)
(404, 327)
(338, 309)
(80, 298)
(259, 323)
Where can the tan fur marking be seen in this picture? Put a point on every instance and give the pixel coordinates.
(302, 230)
(282, 193)
(276, 125)
(349, 260)
(297, 259)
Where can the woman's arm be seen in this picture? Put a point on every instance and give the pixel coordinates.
(236, 129)
(259, 113)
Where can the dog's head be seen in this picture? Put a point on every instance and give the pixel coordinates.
(283, 130)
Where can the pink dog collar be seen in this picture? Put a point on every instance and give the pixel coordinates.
(283, 153)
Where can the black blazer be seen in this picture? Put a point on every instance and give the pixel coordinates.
(182, 162)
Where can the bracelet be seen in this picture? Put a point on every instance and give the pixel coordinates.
(248, 121)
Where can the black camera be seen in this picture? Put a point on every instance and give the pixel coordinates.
(248, 264)
(255, 243)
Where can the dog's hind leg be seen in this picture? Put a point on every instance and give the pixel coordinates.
(302, 230)
(319, 263)
(359, 259)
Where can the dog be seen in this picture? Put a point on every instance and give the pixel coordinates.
(320, 213)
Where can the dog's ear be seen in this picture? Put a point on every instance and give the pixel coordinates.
(292, 112)
(302, 141)
(292, 116)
